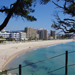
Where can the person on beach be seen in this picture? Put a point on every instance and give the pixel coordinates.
(16, 47)
(4, 58)
(29, 47)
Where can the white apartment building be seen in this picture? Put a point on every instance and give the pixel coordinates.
(14, 36)
(22, 36)
(5, 34)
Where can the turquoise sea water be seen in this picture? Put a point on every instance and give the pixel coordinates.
(41, 68)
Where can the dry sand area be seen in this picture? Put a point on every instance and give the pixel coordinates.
(10, 51)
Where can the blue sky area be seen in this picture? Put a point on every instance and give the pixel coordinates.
(43, 13)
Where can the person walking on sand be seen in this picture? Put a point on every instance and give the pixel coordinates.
(29, 47)
(4, 57)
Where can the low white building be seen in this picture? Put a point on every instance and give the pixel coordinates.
(14, 36)
(5, 34)
(22, 36)
(18, 36)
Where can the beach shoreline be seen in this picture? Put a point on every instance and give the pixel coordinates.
(13, 50)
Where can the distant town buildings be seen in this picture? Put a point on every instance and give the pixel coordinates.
(73, 36)
(43, 33)
(30, 32)
(17, 36)
(67, 35)
(22, 36)
(53, 33)
(4, 34)
(39, 31)
(14, 36)
(50, 37)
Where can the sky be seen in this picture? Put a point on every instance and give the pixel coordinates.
(43, 14)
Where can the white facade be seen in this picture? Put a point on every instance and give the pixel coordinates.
(4, 34)
(15, 36)
(22, 36)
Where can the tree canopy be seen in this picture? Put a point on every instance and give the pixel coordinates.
(67, 25)
(23, 8)
(20, 8)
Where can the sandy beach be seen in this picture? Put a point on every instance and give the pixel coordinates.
(10, 51)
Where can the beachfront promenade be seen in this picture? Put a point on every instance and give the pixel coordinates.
(10, 51)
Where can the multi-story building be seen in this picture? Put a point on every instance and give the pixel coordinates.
(46, 34)
(14, 36)
(22, 36)
(53, 33)
(5, 34)
(39, 31)
(43, 33)
(30, 32)
(37, 35)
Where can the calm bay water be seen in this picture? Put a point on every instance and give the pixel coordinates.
(41, 68)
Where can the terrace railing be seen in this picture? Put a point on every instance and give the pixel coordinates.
(66, 65)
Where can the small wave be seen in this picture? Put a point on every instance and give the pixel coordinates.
(17, 57)
(52, 45)
(64, 43)
(34, 49)
(23, 53)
